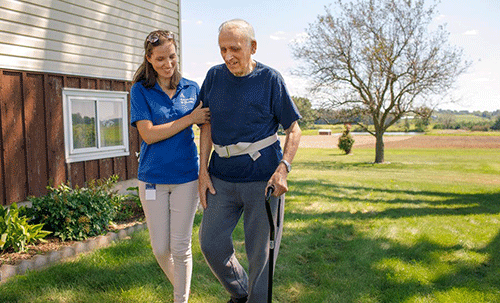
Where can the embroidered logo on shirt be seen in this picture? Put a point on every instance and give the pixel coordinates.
(165, 111)
(184, 103)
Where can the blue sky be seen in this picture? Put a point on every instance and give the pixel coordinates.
(474, 25)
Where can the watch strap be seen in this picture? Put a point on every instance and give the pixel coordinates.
(287, 165)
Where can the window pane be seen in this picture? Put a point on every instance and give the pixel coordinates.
(83, 119)
(110, 122)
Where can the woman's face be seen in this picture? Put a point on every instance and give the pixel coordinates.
(164, 60)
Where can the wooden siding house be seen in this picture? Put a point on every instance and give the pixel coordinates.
(54, 56)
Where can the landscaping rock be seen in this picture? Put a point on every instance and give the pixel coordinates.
(79, 247)
(67, 252)
(130, 230)
(40, 261)
(91, 244)
(8, 271)
(122, 234)
(24, 266)
(102, 241)
(112, 236)
(54, 257)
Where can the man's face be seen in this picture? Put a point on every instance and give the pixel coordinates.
(236, 51)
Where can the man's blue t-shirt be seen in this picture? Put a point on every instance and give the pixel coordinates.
(246, 109)
(174, 160)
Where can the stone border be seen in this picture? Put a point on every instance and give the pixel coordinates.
(43, 261)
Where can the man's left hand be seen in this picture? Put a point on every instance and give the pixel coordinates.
(278, 181)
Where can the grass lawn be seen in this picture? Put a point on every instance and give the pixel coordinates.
(423, 228)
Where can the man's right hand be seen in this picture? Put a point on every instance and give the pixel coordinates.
(204, 185)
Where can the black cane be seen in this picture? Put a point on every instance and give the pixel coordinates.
(271, 243)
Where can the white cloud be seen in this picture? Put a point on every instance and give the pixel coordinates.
(471, 33)
(276, 37)
(280, 35)
(199, 22)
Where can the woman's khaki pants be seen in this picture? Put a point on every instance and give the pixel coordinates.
(169, 217)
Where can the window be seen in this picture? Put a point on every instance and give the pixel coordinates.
(95, 124)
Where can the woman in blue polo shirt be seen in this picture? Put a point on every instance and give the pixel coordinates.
(163, 110)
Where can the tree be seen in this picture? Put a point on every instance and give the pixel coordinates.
(448, 120)
(377, 58)
(306, 111)
(496, 126)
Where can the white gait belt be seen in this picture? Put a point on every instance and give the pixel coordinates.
(243, 148)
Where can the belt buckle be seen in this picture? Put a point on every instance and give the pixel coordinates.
(227, 151)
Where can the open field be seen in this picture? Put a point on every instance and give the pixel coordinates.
(406, 141)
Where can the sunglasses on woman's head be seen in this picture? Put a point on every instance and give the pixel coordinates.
(154, 37)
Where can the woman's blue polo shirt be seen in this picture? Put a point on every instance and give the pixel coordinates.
(174, 160)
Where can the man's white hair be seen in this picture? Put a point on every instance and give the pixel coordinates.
(241, 25)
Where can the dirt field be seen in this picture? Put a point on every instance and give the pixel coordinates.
(403, 141)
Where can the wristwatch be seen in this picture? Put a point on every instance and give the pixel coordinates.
(287, 165)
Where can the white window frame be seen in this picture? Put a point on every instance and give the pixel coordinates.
(99, 152)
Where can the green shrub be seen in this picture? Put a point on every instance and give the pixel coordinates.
(79, 213)
(16, 232)
(135, 196)
(346, 141)
(130, 207)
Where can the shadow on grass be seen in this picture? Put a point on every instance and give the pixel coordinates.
(342, 265)
(437, 203)
(118, 269)
(333, 165)
(356, 267)
(467, 281)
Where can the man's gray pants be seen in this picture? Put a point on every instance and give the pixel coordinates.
(221, 216)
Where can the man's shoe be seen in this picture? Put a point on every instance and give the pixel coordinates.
(240, 300)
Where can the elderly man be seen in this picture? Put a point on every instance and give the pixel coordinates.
(247, 100)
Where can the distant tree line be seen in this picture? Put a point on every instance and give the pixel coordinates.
(475, 120)
(477, 113)
(437, 119)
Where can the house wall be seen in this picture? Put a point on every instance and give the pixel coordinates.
(32, 135)
(97, 38)
(46, 45)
